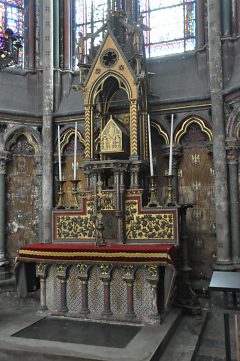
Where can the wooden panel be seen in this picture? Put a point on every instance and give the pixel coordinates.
(196, 186)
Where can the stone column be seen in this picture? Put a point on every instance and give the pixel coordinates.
(219, 152)
(153, 279)
(67, 34)
(62, 276)
(47, 151)
(41, 272)
(226, 18)
(232, 158)
(106, 278)
(129, 279)
(30, 36)
(83, 275)
(200, 24)
(134, 175)
(3, 269)
(38, 33)
(238, 17)
(56, 33)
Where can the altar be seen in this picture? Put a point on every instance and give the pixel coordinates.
(114, 246)
(114, 282)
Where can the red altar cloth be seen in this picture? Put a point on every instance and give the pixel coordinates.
(163, 253)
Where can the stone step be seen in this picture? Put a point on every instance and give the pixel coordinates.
(184, 343)
(144, 346)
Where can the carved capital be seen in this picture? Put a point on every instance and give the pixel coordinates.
(129, 273)
(4, 157)
(105, 272)
(83, 271)
(153, 273)
(232, 148)
(42, 270)
(62, 271)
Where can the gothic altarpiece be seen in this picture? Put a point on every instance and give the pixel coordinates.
(110, 232)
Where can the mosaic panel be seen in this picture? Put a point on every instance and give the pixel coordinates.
(74, 301)
(145, 225)
(118, 293)
(141, 294)
(77, 226)
(95, 292)
(52, 289)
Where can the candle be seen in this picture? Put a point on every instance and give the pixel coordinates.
(171, 147)
(150, 147)
(75, 154)
(59, 156)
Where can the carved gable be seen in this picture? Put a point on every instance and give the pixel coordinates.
(110, 59)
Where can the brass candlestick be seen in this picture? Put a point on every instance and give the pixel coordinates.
(153, 202)
(75, 193)
(170, 198)
(61, 193)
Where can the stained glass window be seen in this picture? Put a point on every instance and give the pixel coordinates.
(11, 17)
(172, 24)
(90, 16)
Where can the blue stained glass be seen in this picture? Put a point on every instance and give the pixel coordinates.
(11, 17)
(172, 24)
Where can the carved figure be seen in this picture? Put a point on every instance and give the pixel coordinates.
(80, 51)
(81, 48)
(136, 29)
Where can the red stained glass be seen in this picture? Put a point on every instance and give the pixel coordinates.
(11, 17)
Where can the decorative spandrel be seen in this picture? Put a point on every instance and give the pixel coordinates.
(150, 225)
(111, 138)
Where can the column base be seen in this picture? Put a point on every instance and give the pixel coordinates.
(130, 316)
(84, 312)
(224, 266)
(153, 319)
(62, 310)
(107, 313)
(4, 270)
(42, 309)
(237, 265)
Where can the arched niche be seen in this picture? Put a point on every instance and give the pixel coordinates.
(196, 186)
(160, 162)
(67, 138)
(111, 101)
(23, 190)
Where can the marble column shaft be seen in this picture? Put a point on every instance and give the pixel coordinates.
(67, 34)
(219, 152)
(234, 208)
(226, 18)
(2, 208)
(47, 151)
(43, 294)
(200, 23)
(56, 33)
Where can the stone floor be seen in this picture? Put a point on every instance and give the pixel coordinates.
(184, 345)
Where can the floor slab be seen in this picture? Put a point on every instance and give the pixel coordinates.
(141, 346)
